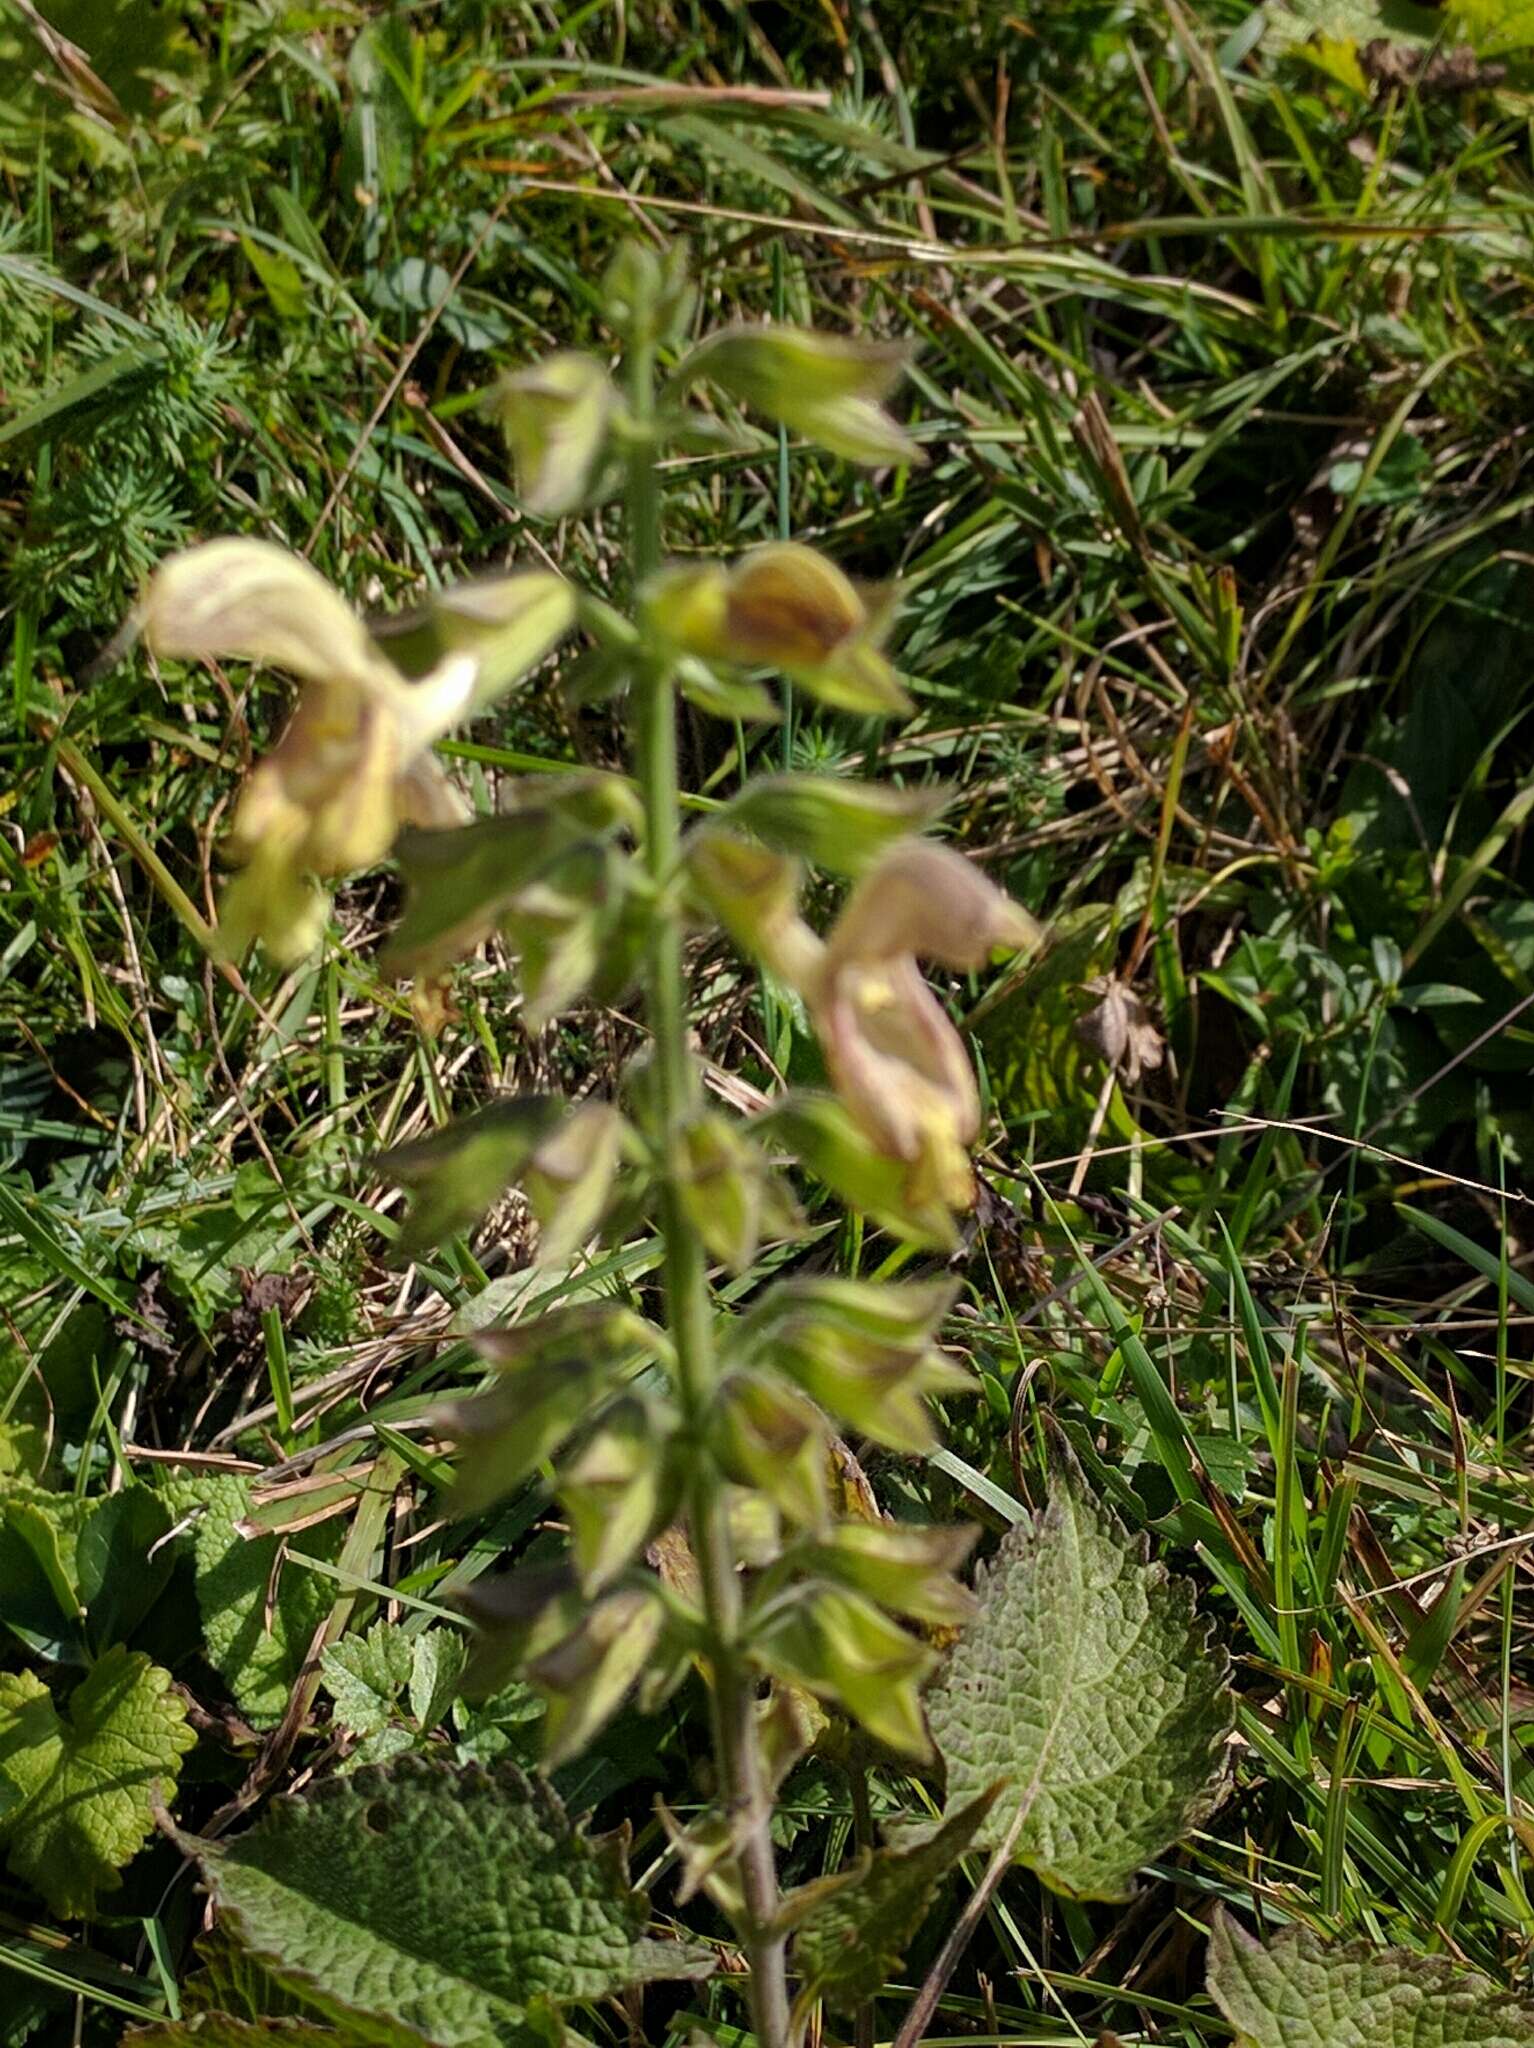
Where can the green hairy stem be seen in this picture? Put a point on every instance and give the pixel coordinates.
(742, 1785)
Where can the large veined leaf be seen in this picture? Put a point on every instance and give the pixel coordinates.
(447, 1903)
(1298, 1991)
(857, 1934)
(1088, 1681)
(259, 1610)
(78, 1789)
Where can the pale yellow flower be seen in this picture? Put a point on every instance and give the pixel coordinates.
(355, 762)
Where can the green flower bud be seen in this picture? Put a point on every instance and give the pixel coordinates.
(555, 416)
(768, 1436)
(826, 387)
(843, 1648)
(786, 607)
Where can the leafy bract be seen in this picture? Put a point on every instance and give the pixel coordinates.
(451, 1902)
(83, 1784)
(841, 826)
(1298, 1991)
(461, 883)
(829, 1144)
(556, 1370)
(455, 1174)
(850, 1941)
(1088, 1681)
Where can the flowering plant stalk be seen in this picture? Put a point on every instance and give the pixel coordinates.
(695, 1453)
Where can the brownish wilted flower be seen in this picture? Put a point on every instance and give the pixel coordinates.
(893, 1054)
(786, 607)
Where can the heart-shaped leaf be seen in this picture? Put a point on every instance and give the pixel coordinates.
(1088, 1681)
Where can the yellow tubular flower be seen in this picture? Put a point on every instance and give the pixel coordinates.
(355, 762)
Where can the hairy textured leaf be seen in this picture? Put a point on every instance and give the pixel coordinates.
(84, 1782)
(849, 1944)
(366, 1674)
(259, 1613)
(1087, 1681)
(1298, 1991)
(449, 1902)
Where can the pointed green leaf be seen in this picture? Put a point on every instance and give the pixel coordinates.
(840, 826)
(85, 1782)
(437, 1658)
(456, 1173)
(850, 1943)
(448, 1901)
(1088, 1682)
(1298, 1991)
